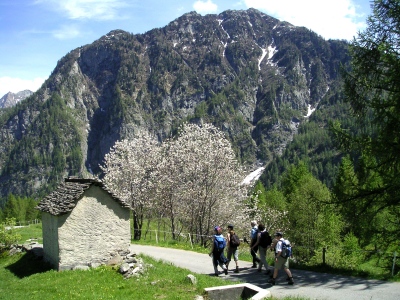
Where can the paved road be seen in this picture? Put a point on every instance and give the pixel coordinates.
(309, 285)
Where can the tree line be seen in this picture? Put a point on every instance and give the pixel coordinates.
(21, 209)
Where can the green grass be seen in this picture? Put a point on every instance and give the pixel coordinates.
(23, 276)
(33, 231)
(373, 268)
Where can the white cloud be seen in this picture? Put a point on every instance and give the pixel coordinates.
(331, 19)
(204, 7)
(87, 9)
(15, 85)
(67, 32)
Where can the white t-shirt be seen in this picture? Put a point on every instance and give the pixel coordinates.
(278, 246)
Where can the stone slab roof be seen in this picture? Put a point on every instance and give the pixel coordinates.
(66, 196)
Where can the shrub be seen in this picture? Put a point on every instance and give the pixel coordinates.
(7, 235)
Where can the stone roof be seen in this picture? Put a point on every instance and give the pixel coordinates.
(65, 197)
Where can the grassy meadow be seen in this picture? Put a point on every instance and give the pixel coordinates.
(23, 275)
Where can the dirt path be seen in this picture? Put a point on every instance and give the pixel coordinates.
(309, 285)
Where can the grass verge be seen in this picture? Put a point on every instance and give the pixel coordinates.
(24, 276)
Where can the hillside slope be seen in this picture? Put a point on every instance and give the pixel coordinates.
(251, 75)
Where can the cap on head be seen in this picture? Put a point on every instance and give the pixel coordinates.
(216, 228)
(278, 234)
(230, 226)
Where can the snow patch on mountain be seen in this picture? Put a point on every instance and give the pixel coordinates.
(253, 176)
(310, 111)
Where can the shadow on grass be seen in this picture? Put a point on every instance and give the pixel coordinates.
(29, 264)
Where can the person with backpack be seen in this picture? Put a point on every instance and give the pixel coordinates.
(233, 243)
(263, 243)
(282, 254)
(217, 251)
(254, 249)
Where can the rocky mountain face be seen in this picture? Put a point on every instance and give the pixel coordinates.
(251, 75)
(11, 99)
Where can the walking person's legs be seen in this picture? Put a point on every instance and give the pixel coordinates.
(215, 265)
(263, 259)
(290, 276)
(253, 253)
(229, 256)
(222, 261)
(281, 262)
(236, 259)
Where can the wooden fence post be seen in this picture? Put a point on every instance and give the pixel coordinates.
(191, 244)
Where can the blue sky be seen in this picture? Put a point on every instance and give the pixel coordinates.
(35, 34)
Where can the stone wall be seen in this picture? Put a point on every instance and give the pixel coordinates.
(96, 226)
(50, 238)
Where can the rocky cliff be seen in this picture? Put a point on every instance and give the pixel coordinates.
(11, 99)
(253, 76)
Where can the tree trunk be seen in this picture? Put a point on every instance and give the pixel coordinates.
(137, 227)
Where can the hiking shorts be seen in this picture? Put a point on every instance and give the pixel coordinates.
(282, 263)
(233, 251)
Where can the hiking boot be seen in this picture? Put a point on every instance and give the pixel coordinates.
(226, 271)
(258, 270)
(290, 281)
(216, 274)
(272, 281)
(254, 266)
(268, 272)
(236, 270)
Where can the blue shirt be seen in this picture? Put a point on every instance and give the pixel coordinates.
(254, 231)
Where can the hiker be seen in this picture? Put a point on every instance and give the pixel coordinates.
(263, 243)
(280, 261)
(217, 251)
(254, 249)
(232, 247)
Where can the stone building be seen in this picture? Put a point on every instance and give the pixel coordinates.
(83, 224)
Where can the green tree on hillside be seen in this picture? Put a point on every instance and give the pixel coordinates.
(21, 209)
(372, 87)
(314, 223)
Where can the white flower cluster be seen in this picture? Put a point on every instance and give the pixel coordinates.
(193, 180)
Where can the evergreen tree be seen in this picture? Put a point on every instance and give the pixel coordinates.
(22, 209)
(372, 87)
(314, 223)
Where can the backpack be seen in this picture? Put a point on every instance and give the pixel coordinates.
(219, 242)
(234, 240)
(286, 249)
(265, 239)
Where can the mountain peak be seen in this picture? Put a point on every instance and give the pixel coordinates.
(243, 71)
(10, 99)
